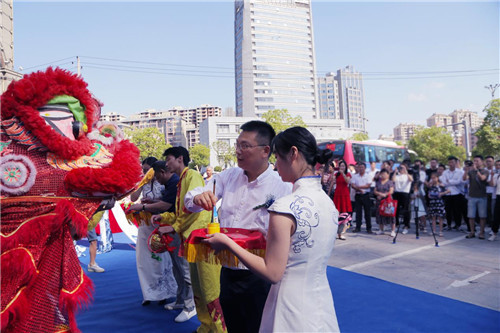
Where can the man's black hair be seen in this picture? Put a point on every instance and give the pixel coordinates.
(178, 151)
(265, 132)
(159, 166)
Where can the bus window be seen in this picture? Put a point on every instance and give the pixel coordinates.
(370, 154)
(399, 155)
(358, 152)
(336, 147)
(390, 154)
(381, 153)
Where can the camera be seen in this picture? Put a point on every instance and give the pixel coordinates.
(414, 171)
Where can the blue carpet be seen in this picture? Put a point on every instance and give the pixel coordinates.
(363, 304)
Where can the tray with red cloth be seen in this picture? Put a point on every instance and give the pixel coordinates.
(196, 251)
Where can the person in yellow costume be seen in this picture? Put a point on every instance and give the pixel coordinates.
(205, 278)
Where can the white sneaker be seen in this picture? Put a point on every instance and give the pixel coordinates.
(173, 306)
(380, 232)
(492, 237)
(393, 233)
(95, 268)
(405, 231)
(185, 316)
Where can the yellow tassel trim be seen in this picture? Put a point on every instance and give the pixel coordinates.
(203, 253)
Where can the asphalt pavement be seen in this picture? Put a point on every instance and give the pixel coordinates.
(467, 270)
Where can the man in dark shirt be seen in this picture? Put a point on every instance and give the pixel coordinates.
(477, 177)
(180, 265)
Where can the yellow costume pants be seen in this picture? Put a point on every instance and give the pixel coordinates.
(205, 281)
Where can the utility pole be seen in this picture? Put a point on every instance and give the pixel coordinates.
(78, 66)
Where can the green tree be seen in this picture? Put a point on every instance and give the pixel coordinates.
(226, 155)
(488, 134)
(200, 156)
(150, 141)
(360, 137)
(280, 120)
(435, 142)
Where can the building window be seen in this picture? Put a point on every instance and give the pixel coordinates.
(222, 128)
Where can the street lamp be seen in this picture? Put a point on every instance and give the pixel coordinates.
(492, 88)
(466, 132)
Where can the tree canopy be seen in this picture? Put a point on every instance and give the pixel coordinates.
(360, 137)
(200, 156)
(435, 142)
(226, 155)
(488, 134)
(280, 120)
(150, 141)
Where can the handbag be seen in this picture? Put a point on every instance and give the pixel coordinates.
(388, 207)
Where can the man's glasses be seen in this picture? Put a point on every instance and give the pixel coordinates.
(245, 146)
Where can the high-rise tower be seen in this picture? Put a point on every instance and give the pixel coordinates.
(7, 73)
(274, 57)
(351, 96)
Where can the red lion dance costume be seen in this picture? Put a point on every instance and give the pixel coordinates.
(53, 178)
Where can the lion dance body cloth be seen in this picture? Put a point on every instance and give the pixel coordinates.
(58, 165)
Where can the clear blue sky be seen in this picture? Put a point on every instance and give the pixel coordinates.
(417, 58)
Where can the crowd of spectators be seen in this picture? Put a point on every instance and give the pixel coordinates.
(457, 196)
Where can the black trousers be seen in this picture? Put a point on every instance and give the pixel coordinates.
(496, 216)
(453, 205)
(489, 207)
(403, 207)
(242, 298)
(362, 203)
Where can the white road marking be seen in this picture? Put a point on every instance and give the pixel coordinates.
(458, 283)
(398, 255)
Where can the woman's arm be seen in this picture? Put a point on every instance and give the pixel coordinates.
(272, 267)
(391, 191)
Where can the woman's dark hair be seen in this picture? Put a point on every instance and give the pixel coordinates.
(342, 162)
(149, 160)
(383, 171)
(305, 143)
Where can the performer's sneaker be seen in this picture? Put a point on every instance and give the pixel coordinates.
(185, 316)
(95, 268)
(173, 306)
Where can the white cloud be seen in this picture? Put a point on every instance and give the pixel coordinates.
(413, 97)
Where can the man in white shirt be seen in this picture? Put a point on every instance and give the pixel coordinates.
(454, 201)
(371, 173)
(361, 183)
(246, 192)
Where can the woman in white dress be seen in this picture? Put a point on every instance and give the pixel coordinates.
(155, 272)
(302, 231)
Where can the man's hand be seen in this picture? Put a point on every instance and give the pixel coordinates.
(166, 229)
(155, 219)
(206, 200)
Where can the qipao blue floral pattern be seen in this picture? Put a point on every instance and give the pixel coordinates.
(306, 221)
(302, 301)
